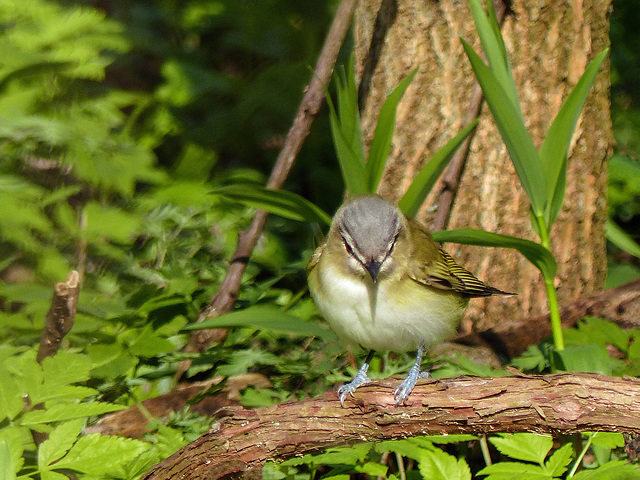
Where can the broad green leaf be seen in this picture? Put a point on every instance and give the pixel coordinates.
(53, 476)
(589, 358)
(406, 448)
(439, 465)
(513, 131)
(495, 51)
(616, 470)
(529, 447)
(67, 411)
(553, 151)
(621, 239)
(425, 179)
(379, 150)
(534, 252)
(65, 368)
(59, 442)
(7, 469)
(608, 440)
(11, 402)
(96, 454)
(265, 316)
(279, 202)
(560, 460)
(514, 470)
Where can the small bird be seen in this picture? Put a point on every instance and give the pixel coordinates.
(381, 282)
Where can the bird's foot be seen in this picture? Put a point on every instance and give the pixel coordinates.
(348, 389)
(406, 387)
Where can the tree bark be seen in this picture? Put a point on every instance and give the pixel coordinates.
(243, 440)
(550, 44)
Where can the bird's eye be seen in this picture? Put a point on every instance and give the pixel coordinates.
(348, 248)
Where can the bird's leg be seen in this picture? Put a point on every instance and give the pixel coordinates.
(360, 379)
(405, 388)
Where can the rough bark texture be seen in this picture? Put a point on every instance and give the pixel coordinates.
(243, 440)
(550, 43)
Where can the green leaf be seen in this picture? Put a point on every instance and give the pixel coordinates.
(425, 179)
(553, 151)
(59, 442)
(439, 465)
(267, 317)
(514, 470)
(101, 455)
(494, 48)
(11, 402)
(608, 440)
(621, 239)
(7, 469)
(617, 470)
(347, 133)
(67, 411)
(589, 358)
(65, 368)
(379, 150)
(560, 460)
(279, 202)
(529, 447)
(519, 144)
(534, 252)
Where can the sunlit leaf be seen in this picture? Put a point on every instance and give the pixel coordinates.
(425, 179)
(379, 150)
(279, 202)
(534, 252)
(621, 239)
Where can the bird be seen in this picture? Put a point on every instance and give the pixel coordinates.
(381, 282)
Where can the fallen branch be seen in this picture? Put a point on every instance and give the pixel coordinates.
(243, 440)
(510, 338)
(60, 316)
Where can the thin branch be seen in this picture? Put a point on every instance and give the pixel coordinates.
(60, 317)
(561, 404)
(224, 299)
(451, 178)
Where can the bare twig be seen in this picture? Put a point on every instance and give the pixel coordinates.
(60, 317)
(451, 178)
(224, 299)
(563, 404)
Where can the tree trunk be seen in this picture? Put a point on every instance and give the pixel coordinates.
(549, 44)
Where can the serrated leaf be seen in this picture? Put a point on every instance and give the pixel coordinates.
(65, 368)
(59, 442)
(53, 476)
(428, 175)
(279, 202)
(406, 448)
(514, 471)
(11, 402)
(617, 470)
(381, 143)
(265, 316)
(519, 144)
(101, 455)
(7, 469)
(589, 358)
(608, 440)
(530, 447)
(67, 411)
(342, 455)
(553, 151)
(439, 465)
(559, 460)
(539, 256)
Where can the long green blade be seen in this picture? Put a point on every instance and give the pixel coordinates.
(513, 131)
(621, 239)
(493, 46)
(425, 180)
(554, 148)
(534, 252)
(279, 202)
(381, 142)
(265, 317)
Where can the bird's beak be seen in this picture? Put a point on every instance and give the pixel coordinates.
(373, 268)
